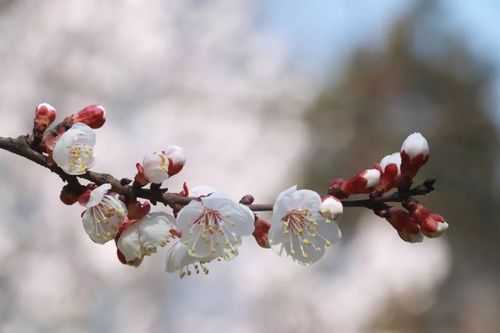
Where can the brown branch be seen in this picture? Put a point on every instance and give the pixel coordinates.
(21, 146)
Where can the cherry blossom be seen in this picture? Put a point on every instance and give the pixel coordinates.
(104, 214)
(74, 150)
(179, 260)
(143, 237)
(158, 167)
(297, 227)
(214, 225)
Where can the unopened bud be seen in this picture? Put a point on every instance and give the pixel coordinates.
(45, 114)
(261, 232)
(432, 225)
(70, 193)
(390, 167)
(363, 182)
(176, 158)
(414, 154)
(247, 200)
(93, 115)
(330, 208)
(405, 224)
(158, 167)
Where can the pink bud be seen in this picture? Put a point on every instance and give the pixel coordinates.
(93, 115)
(432, 225)
(261, 232)
(363, 182)
(45, 114)
(405, 224)
(176, 159)
(140, 178)
(69, 194)
(414, 154)
(390, 168)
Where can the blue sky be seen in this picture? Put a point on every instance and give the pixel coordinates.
(323, 33)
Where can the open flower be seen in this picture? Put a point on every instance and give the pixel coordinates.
(104, 214)
(74, 150)
(297, 227)
(214, 225)
(179, 260)
(158, 167)
(142, 237)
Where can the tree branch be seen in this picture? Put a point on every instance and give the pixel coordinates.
(21, 146)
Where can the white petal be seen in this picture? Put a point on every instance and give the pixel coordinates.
(156, 167)
(154, 230)
(101, 222)
(175, 153)
(129, 243)
(330, 208)
(238, 218)
(281, 205)
(97, 195)
(415, 144)
(187, 215)
(73, 151)
(178, 257)
(391, 159)
(372, 177)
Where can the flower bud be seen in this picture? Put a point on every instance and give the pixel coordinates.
(363, 182)
(176, 158)
(45, 114)
(70, 193)
(432, 225)
(405, 224)
(93, 115)
(414, 154)
(330, 208)
(261, 232)
(390, 166)
(158, 167)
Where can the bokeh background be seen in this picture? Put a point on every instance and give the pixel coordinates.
(262, 95)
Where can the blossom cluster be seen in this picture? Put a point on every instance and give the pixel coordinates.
(396, 171)
(208, 225)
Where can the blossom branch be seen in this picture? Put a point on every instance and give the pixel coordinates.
(205, 224)
(21, 146)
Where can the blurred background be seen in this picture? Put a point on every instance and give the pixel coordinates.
(262, 95)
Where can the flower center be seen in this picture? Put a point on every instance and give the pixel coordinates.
(303, 232)
(211, 229)
(80, 157)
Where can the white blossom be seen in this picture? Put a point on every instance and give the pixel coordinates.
(330, 208)
(179, 260)
(158, 167)
(104, 214)
(297, 227)
(74, 150)
(214, 225)
(143, 237)
(414, 145)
